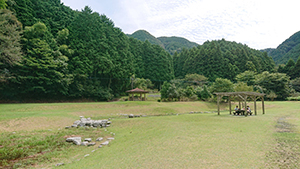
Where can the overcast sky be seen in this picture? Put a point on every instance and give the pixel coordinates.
(258, 23)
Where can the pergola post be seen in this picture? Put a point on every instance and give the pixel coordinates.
(229, 99)
(219, 97)
(255, 107)
(239, 104)
(246, 113)
(263, 104)
(144, 96)
(254, 99)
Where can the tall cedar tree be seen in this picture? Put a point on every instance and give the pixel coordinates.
(10, 47)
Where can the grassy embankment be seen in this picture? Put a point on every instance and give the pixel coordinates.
(184, 141)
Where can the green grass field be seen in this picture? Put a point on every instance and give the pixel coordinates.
(163, 139)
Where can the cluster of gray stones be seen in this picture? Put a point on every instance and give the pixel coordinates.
(88, 141)
(132, 115)
(88, 122)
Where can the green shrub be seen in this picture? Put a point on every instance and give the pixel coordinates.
(293, 98)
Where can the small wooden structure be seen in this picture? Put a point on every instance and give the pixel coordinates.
(137, 91)
(242, 96)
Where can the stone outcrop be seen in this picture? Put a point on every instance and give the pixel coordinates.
(88, 122)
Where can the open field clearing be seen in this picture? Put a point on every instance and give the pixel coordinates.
(164, 140)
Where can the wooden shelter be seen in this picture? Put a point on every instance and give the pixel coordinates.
(242, 96)
(137, 91)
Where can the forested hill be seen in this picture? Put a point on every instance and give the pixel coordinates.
(176, 44)
(143, 35)
(170, 44)
(289, 49)
(222, 59)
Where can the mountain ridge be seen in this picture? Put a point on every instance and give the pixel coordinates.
(170, 44)
(288, 49)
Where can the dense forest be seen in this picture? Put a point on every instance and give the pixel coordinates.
(221, 59)
(50, 52)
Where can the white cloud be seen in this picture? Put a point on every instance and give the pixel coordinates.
(257, 23)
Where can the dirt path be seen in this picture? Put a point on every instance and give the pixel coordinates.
(286, 152)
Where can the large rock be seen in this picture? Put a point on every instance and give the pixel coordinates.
(81, 124)
(105, 143)
(99, 139)
(97, 123)
(75, 140)
(85, 143)
(91, 144)
(89, 123)
(104, 123)
(83, 119)
(77, 122)
(88, 139)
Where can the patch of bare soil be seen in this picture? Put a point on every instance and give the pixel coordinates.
(286, 152)
(34, 123)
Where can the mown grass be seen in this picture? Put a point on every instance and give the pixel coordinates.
(184, 141)
(177, 141)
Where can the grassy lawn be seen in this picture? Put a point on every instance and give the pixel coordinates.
(165, 140)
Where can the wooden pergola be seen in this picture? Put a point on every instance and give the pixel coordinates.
(242, 96)
(137, 91)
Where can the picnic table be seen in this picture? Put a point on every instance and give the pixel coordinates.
(242, 112)
(238, 112)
